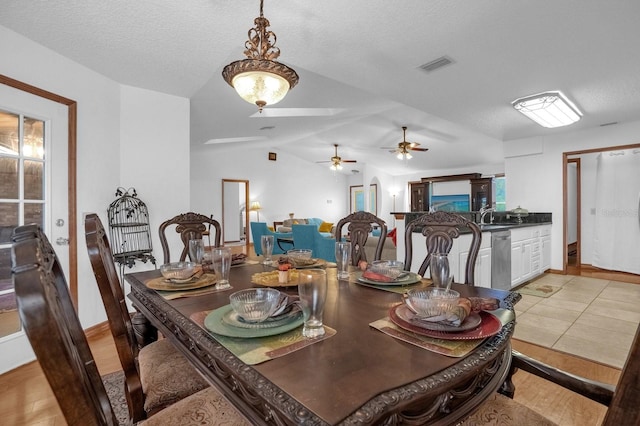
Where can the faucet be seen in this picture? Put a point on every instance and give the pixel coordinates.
(483, 213)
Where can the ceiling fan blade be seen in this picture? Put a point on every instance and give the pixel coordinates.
(349, 161)
(324, 161)
(419, 149)
(389, 147)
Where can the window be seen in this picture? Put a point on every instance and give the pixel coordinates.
(22, 197)
(501, 199)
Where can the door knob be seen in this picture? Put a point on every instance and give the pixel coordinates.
(61, 241)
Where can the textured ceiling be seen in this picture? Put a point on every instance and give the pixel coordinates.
(361, 58)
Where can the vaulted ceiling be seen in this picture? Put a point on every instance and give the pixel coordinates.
(359, 65)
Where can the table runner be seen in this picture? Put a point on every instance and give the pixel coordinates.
(261, 349)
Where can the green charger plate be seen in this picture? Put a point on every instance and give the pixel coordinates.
(215, 323)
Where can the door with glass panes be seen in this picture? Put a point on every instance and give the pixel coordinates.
(33, 189)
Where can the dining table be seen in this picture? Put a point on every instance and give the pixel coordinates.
(362, 371)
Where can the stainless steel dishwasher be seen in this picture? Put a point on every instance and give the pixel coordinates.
(501, 260)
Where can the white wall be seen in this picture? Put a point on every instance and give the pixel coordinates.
(288, 185)
(126, 137)
(533, 168)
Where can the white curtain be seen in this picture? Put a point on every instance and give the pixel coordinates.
(617, 221)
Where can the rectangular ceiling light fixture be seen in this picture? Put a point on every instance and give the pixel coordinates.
(548, 109)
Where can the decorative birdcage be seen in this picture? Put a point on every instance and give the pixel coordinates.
(129, 229)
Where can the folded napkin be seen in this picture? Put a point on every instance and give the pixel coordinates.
(288, 307)
(466, 305)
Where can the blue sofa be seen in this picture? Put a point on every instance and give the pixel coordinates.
(258, 229)
(308, 237)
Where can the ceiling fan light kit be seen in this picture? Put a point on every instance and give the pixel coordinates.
(336, 161)
(260, 79)
(548, 109)
(403, 148)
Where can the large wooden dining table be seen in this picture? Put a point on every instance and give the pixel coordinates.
(358, 376)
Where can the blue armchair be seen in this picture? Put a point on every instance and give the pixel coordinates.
(258, 229)
(308, 237)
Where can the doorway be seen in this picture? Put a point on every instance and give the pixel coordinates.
(235, 217)
(577, 162)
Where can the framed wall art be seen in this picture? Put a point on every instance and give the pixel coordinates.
(357, 198)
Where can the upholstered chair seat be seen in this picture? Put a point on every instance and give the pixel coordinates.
(207, 407)
(166, 376)
(500, 410)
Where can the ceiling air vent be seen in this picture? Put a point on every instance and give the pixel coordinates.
(436, 63)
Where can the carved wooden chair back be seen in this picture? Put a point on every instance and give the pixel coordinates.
(50, 321)
(118, 315)
(190, 226)
(440, 229)
(360, 226)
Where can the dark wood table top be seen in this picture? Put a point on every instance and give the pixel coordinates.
(358, 376)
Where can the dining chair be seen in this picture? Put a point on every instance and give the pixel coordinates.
(190, 226)
(157, 375)
(621, 399)
(440, 229)
(53, 328)
(360, 225)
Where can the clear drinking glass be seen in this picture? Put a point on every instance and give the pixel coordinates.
(440, 273)
(312, 289)
(221, 258)
(266, 242)
(343, 258)
(196, 251)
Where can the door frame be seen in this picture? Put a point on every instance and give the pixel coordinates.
(72, 108)
(565, 162)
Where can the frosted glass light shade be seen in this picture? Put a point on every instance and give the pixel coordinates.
(549, 109)
(260, 87)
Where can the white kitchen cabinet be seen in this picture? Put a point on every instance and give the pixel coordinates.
(530, 252)
(545, 248)
(482, 271)
(521, 250)
(483, 268)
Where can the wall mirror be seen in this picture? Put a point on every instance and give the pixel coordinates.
(235, 218)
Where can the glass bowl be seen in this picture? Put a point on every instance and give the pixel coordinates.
(431, 302)
(299, 253)
(178, 270)
(388, 268)
(255, 304)
(300, 257)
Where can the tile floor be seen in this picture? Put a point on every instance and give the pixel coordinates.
(589, 317)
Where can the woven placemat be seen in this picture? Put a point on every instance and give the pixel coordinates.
(452, 348)
(261, 349)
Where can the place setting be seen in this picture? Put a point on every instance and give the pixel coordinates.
(260, 324)
(439, 319)
(285, 273)
(186, 279)
(386, 275)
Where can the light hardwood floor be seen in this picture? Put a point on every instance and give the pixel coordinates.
(26, 399)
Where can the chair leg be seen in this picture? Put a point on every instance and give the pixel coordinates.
(144, 331)
(507, 388)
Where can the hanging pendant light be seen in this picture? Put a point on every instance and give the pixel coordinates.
(260, 79)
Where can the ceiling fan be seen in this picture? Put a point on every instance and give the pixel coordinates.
(403, 148)
(336, 161)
